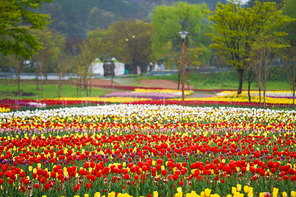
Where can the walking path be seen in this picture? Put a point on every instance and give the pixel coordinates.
(158, 83)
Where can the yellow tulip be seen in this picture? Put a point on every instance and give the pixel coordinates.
(179, 189)
(284, 194)
(250, 194)
(86, 195)
(239, 187)
(246, 189)
(207, 192)
(233, 191)
(293, 194)
(275, 192)
(155, 194)
(178, 194)
(97, 194)
(112, 194)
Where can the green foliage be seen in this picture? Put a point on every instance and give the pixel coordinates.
(236, 30)
(52, 45)
(100, 18)
(289, 9)
(84, 59)
(130, 42)
(251, 3)
(74, 18)
(15, 39)
(191, 54)
(168, 21)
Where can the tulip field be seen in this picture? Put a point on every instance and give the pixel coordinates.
(148, 150)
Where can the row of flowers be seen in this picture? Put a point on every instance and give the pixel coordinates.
(164, 91)
(151, 93)
(194, 102)
(144, 150)
(273, 94)
(4, 109)
(154, 96)
(135, 87)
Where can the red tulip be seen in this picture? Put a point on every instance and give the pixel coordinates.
(164, 172)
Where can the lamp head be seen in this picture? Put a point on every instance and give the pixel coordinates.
(183, 34)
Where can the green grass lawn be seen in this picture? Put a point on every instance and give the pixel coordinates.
(49, 91)
(226, 80)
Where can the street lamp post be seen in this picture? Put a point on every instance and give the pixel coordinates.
(183, 35)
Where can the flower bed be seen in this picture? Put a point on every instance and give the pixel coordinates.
(145, 150)
(151, 93)
(210, 102)
(4, 109)
(164, 91)
(153, 96)
(272, 94)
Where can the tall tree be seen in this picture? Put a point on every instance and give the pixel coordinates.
(130, 42)
(265, 49)
(14, 39)
(291, 72)
(18, 65)
(52, 44)
(290, 54)
(236, 29)
(61, 68)
(168, 21)
(89, 49)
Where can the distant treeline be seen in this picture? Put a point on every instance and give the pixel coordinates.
(74, 18)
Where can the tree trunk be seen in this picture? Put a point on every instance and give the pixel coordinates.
(77, 85)
(16, 76)
(179, 73)
(189, 74)
(259, 96)
(90, 86)
(264, 104)
(37, 82)
(60, 86)
(293, 95)
(250, 77)
(80, 86)
(45, 77)
(85, 87)
(18, 80)
(222, 77)
(240, 76)
(249, 89)
(6, 80)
